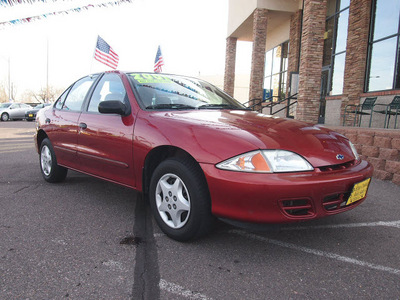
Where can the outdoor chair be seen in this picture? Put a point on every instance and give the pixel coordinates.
(366, 108)
(391, 109)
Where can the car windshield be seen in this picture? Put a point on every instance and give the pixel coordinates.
(5, 105)
(159, 91)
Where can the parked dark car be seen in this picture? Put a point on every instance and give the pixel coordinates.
(30, 115)
(196, 153)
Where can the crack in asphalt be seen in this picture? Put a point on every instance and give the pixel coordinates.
(146, 274)
(21, 189)
(32, 187)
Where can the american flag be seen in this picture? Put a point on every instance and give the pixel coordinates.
(159, 62)
(105, 54)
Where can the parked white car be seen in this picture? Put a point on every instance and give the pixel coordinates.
(13, 111)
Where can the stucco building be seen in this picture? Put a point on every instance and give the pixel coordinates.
(330, 52)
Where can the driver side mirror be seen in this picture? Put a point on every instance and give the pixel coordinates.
(113, 107)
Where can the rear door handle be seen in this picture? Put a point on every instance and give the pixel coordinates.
(82, 125)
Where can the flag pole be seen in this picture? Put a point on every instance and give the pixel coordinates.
(94, 51)
(9, 79)
(47, 72)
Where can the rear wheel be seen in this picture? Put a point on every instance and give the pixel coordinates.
(5, 117)
(180, 200)
(51, 171)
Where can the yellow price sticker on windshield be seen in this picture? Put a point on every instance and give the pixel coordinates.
(150, 78)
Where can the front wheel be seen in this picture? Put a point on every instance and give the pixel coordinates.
(180, 200)
(51, 171)
(5, 117)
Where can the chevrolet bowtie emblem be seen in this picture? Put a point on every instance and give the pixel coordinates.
(340, 156)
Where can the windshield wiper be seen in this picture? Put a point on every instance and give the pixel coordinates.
(170, 106)
(221, 105)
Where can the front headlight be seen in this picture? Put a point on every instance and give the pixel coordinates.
(266, 161)
(357, 157)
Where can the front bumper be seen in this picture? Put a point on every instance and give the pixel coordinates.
(282, 197)
(30, 116)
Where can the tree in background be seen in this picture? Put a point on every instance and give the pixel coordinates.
(4, 97)
(3, 94)
(29, 96)
(41, 95)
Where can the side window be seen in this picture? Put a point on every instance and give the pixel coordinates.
(61, 99)
(77, 93)
(110, 87)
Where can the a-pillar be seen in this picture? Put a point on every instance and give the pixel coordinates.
(312, 47)
(230, 61)
(356, 54)
(258, 55)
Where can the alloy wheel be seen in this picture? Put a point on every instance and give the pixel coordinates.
(173, 201)
(46, 160)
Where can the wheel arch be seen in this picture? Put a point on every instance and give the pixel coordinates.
(5, 113)
(41, 135)
(158, 155)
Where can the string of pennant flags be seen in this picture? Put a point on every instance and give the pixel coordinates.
(54, 13)
(103, 51)
(15, 2)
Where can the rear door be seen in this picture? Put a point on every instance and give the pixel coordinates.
(105, 140)
(62, 122)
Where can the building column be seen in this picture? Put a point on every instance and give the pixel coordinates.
(294, 49)
(356, 54)
(312, 47)
(230, 62)
(258, 55)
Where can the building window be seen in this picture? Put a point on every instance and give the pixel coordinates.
(335, 42)
(276, 63)
(383, 48)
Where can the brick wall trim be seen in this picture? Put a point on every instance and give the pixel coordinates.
(230, 64)
(260, 19)
(312, 46)
(380, 147)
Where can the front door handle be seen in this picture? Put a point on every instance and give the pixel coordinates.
(82, 125)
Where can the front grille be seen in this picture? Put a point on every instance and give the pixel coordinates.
(336, 201)
(297, 207)
(337, 167)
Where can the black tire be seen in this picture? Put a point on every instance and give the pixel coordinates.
(5, 117)
(51, 171)
(185, 212)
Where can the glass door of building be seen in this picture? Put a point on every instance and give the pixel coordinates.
(324, 91)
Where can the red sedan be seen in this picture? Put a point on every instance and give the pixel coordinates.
(196, 153)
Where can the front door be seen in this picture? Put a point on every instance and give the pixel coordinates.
(324, 92)
(16, 111)
(106, 140)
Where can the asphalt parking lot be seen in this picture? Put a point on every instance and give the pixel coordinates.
(89, 239)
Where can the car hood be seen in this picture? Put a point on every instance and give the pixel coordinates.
(229, 133)
(33, 110)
